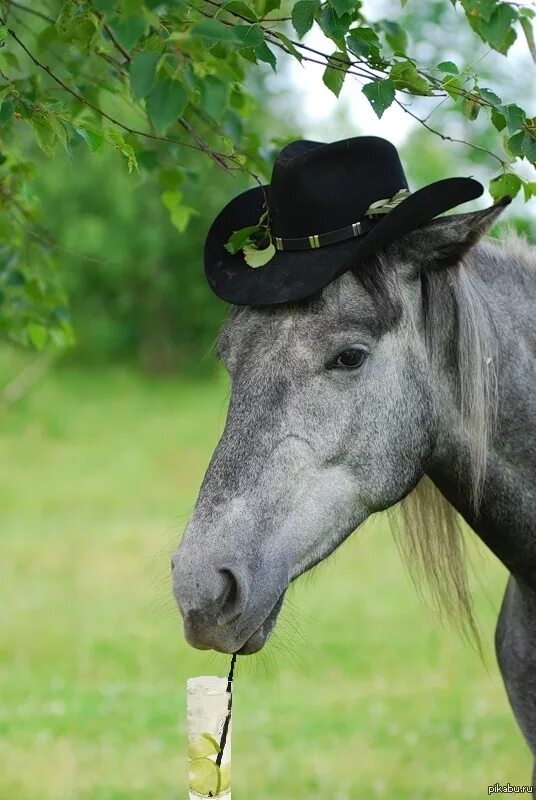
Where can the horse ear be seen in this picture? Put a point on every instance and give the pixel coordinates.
(444, 241)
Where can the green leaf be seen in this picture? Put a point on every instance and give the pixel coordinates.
(3, 35)
(37, 334)
(452, 84)
(264, 53)
(77, 26)
(515, 116)
(104, 5)
(240, 8)
(380, 95)
(395, 35)
(333, 26)
(529, 189)
(6, 112)
(498, 119)
(335, 73)
(5, 91)
(12, 60)
(513, 144)
(171, 177)
(213, 31)
(248, 35)
(59, 129)
(404, 3)
(44, 133)
(215, 95)
(498, 31)
(180, 214)
(128, 29)
(258, 258)
(405, 76)
(93, 138)
(470, 108)
(449, 67)
(490, 97)
(270, 5)
(522, 145)
(528, 148)
(142, 73)
(343, 6)
(303, 15)
(130, 6)
(479, 8)
(364, 43)
(529, 35)
(166, 102)
(115, 138)
(248, 54)
(65, 18)
(239, 238)
(290, 47)
(506, 185)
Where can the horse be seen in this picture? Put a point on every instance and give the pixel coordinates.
(408, 380)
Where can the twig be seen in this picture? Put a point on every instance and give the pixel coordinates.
(219, 160)
(84, 101)
(33, 11)
(112, 36)
(28, 377)
(449, 138)
(334, 60)
(203, 145)
(41, 15)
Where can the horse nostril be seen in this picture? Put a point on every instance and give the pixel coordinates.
(172, 564)
(233, 597)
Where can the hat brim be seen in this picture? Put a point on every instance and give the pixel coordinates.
(296, 275)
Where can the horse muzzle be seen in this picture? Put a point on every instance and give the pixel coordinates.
(229, 608)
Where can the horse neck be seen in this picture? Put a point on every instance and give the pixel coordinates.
(497, 288)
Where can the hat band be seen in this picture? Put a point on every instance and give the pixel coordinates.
(376, 210)
(323, 239)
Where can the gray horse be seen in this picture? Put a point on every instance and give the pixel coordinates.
(412, 377)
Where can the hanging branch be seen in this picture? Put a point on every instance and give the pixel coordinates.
(81, 99)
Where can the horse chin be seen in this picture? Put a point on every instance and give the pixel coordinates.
(257, 640)
(254, 643)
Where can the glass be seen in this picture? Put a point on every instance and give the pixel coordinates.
(207, 708)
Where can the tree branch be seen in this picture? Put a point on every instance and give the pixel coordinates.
(448, 138)
(100, 112)
(112, 36)
(32, 11)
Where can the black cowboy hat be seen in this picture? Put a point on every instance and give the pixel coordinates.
(328, 207)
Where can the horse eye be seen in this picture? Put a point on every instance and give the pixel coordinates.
(351, 358)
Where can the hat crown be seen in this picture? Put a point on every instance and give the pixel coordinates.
(316, 188)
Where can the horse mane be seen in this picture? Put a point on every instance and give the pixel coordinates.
(429, 532)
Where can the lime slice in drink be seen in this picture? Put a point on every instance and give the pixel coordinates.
(225, 776)
(202, 745)
(204, 777)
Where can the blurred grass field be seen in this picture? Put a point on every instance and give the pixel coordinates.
(362, 693)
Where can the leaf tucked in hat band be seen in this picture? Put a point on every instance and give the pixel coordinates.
(250, 239)
(314, 241)
(384, 206)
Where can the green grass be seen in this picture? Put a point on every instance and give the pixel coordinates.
(371, 698)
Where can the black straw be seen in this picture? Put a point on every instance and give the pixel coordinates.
(224, 734)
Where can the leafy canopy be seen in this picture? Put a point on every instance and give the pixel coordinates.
(152, 80)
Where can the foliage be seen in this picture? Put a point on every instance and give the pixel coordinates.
(154, 81)
(136, 287)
